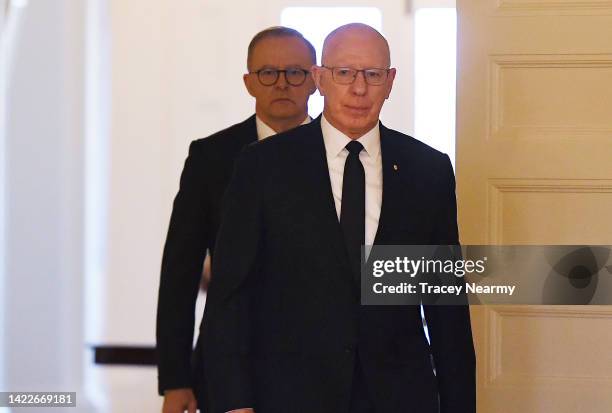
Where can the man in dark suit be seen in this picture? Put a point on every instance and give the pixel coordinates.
(278, 62)
(284, 331)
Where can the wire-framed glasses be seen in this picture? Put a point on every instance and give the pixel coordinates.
(347, 75)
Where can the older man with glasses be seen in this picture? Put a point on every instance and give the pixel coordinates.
(284, 329)
(278, 78)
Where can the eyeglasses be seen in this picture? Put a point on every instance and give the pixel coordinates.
(294, 76)
(347, 75)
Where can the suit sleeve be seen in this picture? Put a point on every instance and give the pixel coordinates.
(226, 335)
(181, 270)
(449, 326)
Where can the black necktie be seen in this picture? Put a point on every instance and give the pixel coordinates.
(352, 210)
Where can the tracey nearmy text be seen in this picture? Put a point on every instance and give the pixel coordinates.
(425, 288)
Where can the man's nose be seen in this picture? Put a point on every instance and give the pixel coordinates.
(281, 82)
(359, 85)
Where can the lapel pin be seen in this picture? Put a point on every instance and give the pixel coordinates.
(395, 167)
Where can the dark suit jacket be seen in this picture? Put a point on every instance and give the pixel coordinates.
(193, 228)
(283, 323)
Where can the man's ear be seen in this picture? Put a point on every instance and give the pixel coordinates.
(247, 83)
(317, 73)
(390, 79)
(312, 89)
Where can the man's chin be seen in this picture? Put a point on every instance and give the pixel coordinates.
(284, 111)
(357, 121)
(283, 102)
(356, 125)
(357, 113)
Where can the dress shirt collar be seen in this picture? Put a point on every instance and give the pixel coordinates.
(264, 131)
(335, 141)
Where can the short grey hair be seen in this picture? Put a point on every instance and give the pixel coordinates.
(279, 31)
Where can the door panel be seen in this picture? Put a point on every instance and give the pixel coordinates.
(534, 138)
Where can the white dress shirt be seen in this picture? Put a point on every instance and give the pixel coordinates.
(371, 159)
(264, 131)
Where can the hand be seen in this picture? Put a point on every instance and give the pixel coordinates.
(205, 280)
(179, 400)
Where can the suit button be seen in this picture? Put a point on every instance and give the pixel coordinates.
(349, 349)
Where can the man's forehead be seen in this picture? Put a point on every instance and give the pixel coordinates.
(352, 55)
(280, 47)
(356, 45)
(284, 65)
(288, 51)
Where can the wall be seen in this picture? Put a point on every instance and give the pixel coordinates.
(42, 336)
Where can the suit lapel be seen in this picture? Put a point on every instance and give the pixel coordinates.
(394, 167)
(319, 188)
(249, 131)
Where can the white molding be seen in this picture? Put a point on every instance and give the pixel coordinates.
(496, 187)
(498, 63)
(553, 8)
(494, 376)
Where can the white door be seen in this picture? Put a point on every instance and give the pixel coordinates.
(534, 150)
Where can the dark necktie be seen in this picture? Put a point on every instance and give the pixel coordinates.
(352, 210)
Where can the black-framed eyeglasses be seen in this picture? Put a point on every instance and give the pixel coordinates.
(347, 75)
(294, 76)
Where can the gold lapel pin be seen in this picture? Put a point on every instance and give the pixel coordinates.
(395, 167)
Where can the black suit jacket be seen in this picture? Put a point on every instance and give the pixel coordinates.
(193, 227)
(283, 323)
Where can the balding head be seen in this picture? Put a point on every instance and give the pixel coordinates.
(356, 35)
(355, 78)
